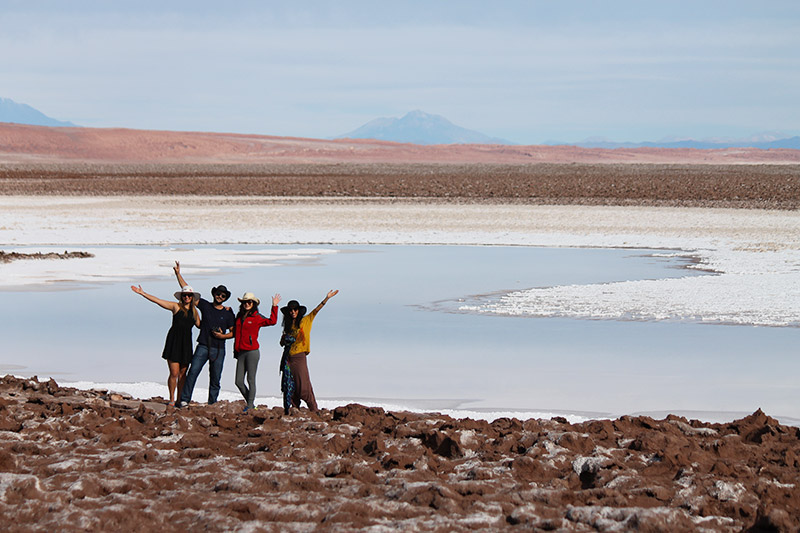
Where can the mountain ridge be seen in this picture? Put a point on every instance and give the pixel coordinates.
(419, 127)
(16, 113)
(792, 143)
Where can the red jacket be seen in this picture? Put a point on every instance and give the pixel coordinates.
(245, 332)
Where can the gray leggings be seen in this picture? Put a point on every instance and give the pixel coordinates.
(247, 363)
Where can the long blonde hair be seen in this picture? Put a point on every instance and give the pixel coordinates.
(191, 308)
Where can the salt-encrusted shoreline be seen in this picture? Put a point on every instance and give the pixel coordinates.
(755, 252)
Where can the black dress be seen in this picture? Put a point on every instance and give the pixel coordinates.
(178, 347)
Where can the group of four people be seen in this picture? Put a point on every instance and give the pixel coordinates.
(217, 323)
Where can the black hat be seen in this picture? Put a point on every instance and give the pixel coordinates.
(222, 289)
(294, 304)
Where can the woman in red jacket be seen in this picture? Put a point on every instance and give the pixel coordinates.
(245, 345)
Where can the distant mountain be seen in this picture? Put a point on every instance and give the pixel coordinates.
(420, 128)
(763, 142)
(11, 111)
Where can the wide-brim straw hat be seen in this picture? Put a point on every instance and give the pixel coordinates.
(293, 304)
(222, 289)
(249, 297)
(188, 289)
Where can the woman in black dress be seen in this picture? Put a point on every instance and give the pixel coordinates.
(178, 347)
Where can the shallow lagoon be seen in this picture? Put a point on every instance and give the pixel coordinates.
(393, 336)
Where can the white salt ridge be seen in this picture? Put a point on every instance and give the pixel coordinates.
(115, 264)
(759, 288)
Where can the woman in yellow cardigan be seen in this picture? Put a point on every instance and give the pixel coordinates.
(297, 334)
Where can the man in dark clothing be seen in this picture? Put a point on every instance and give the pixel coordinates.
(214, 317)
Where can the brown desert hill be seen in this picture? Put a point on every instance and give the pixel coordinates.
(37, 160)
(23, 143)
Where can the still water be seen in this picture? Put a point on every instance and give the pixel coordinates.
(393, 335)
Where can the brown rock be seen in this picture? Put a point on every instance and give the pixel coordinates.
(576, 442)
(774, 520)
(78, 462)
(441, 444)
(9, 424)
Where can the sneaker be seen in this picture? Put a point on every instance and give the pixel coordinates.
(183, 404)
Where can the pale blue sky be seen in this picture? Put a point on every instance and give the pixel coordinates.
(526, 71)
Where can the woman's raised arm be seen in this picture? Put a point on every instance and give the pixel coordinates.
(177, 269)
(330, 295)
(170, 306)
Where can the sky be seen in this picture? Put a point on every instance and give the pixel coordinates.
(528, 71)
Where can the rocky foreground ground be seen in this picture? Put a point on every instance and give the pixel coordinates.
(73, 460)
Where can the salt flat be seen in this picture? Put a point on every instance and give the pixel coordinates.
(37, 220)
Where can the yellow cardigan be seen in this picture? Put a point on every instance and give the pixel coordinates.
(302, 336)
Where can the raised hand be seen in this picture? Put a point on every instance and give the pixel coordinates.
(166, 304)
(177, 268)
(331, 294)
(276, 299)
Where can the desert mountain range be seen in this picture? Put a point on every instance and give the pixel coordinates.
(419, 127)
(422, 128)
(40, 144)
(11, 111)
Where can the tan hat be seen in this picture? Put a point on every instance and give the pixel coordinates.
(188, 289)
(249, 297)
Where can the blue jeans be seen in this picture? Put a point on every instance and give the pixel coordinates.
(215, 358)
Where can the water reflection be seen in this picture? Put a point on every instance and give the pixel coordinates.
(385, 335)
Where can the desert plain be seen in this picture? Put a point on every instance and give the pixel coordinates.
(97, 460)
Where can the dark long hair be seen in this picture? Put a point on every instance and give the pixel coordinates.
(288, 323)
(243, 313)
